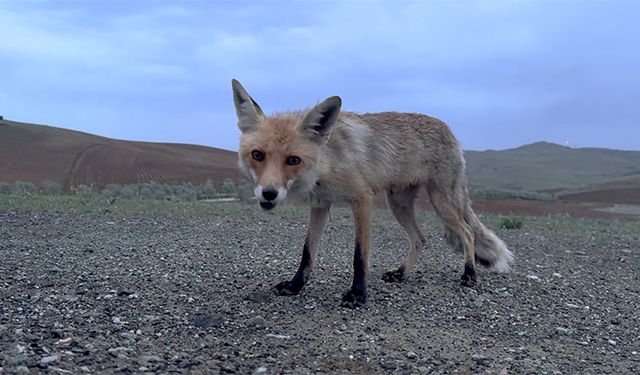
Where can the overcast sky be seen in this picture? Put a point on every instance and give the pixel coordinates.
(501, 74)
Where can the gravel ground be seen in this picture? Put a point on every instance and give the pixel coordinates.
(132, 292)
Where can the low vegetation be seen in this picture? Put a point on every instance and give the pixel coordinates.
(511, 223)
(185, 192)
(512, 194)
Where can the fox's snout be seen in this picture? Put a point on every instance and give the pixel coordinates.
(269, 196)
(269, 193)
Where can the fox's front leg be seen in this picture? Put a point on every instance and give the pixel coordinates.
(357, 295)
(317, 223)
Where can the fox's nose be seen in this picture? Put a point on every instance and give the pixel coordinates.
(269, 193)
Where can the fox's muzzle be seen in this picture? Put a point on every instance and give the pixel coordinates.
(269, 196)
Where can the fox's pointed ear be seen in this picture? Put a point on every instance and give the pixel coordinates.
(249, 112)
(321, 118)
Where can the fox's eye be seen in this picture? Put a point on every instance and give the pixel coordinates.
(293, 160)
(257, 155)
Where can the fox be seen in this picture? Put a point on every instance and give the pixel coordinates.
(324, 155)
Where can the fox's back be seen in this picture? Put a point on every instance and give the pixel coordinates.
(393, 147)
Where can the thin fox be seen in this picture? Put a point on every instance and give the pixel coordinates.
(325, 155)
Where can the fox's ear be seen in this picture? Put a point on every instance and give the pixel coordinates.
(249, 112)
(322, 117)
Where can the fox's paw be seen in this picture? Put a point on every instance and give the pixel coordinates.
(352, 299)
(287, 288)
(469, 277)
(396, 276)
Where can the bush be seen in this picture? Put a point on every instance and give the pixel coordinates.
(51, 188)
(245, 192)
(185, 193)
(228, 188)
(5, 188)
(84, 191)
(207, 190)
(511, 223)
(512, 194)
(25, 188)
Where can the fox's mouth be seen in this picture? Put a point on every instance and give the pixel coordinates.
(267, 205)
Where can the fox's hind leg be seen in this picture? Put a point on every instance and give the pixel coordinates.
(401, 202)
(450, 208)
(317, 223)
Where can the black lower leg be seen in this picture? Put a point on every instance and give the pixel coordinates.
(357, 295)
(301, 277)
(469, 277)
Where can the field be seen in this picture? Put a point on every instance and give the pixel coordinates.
(173, 287)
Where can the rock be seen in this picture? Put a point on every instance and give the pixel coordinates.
(261, 370)
(412, 355)
(279, 337)
(49, 360)
(150, 358)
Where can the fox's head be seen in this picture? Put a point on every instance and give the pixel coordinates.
(281, 153)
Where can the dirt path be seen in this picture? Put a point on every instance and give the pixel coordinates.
(126, 293)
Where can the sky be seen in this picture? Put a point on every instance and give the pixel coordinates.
(501, 74)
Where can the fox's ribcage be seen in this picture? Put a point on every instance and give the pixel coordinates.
(317, 223)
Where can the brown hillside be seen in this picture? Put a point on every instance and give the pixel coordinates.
(39, 153)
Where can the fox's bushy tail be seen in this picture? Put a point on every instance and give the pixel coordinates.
(490, 251)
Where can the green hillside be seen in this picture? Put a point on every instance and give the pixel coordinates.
(548, 166)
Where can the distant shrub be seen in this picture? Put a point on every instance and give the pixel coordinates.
(127, 191)
(512, 194)
(51, 188)
(153, 190)
(111, 191)
(24, 188)
(511, 223)
(207, 190)
(84, 191)
(5, 188)
(185, 192)
(228, 188)
(245, 191)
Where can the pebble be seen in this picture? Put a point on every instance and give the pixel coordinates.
(279, 337)
(412, 355)
(562, 330)
(261, 370)
(533, 277)
(612, 342)
(49, 359)
(555, 274)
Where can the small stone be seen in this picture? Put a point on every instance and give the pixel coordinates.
(612, 342)
(85, 369)
(20, 349)
(49, 359)
(22, 370)
(533, 277)
(279, 337)
(116, 320)
(555, 274)
(150, 358)
(584, 343)
(562, 330)
(261, 370)
(571, 305)
(143, 368)
(412, 355)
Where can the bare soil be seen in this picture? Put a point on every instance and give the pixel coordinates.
(123, 293)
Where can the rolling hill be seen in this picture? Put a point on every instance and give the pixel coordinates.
(548, 166)
(39, 153)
